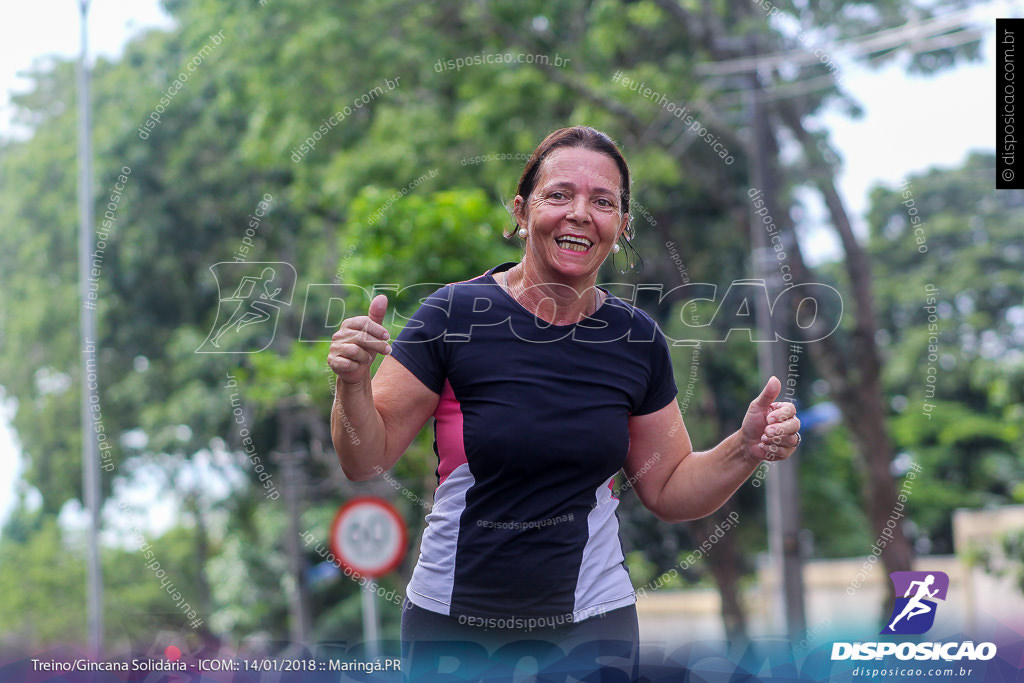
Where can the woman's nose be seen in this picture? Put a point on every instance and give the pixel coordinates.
(578, 208)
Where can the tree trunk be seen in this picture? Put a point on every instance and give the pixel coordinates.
(724, 562)
(724, 559)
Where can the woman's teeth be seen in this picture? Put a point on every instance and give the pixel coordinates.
(574, 243)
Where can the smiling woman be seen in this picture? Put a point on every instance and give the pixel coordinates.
(570, 209)
(542, 387)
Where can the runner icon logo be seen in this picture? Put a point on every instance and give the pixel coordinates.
(916, 595)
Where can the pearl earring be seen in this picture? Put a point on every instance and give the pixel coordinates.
(522, 233)
(616, 248)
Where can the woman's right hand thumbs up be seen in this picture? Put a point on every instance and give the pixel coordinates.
(358, 341)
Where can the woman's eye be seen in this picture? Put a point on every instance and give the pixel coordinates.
(557, 195)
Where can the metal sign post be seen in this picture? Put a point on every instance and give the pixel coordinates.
(368, 537)
(370, 622)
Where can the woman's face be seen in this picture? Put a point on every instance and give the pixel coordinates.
(573, 215)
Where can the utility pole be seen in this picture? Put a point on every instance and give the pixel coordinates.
(87, 329)
(293, 484)
(781, 484)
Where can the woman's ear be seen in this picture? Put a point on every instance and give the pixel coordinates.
(623, 227)
(519, 210)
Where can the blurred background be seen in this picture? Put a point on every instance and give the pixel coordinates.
(375, 145)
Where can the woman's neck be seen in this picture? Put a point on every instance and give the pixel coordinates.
(555, 301)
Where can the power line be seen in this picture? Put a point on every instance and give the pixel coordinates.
(801, 87)
(858, 46)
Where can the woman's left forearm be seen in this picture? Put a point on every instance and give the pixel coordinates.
(704, 480)
(683, 484)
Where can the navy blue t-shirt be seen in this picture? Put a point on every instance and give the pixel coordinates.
(530, 429)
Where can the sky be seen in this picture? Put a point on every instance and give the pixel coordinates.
(902, 132)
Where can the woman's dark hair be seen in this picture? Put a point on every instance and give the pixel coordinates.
(576, 136)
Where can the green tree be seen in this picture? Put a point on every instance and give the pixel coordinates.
(948, 282)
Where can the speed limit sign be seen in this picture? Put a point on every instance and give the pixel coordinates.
(368, 536)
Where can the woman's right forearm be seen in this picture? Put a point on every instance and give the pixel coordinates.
(358, 431)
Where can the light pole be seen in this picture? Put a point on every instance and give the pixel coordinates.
(87, 328)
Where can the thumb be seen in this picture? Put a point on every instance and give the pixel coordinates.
(378, 307)
(769, 393)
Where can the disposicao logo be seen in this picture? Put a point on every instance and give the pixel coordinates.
(914, 613)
